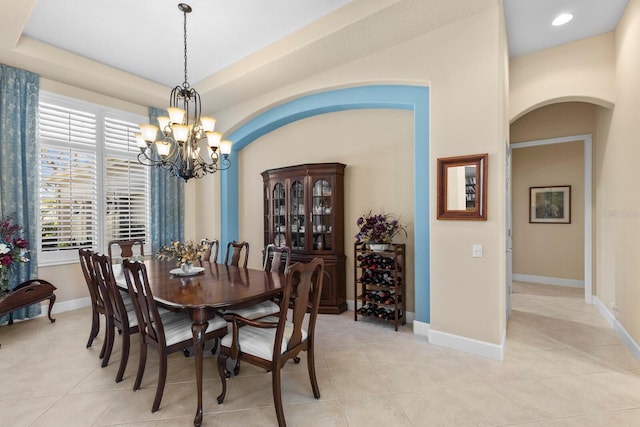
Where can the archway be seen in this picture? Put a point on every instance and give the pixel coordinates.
(404, 97)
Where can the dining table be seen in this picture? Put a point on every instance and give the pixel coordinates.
(202, 293)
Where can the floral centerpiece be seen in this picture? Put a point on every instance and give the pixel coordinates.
(378, 228)
(185, 253)
(13, 250)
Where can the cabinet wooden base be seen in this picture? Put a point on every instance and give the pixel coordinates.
(333, 309)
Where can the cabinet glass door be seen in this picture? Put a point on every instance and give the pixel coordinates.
(279, 215)
(321, 214)
(296, 215)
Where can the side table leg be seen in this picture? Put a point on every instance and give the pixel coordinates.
(52, 300)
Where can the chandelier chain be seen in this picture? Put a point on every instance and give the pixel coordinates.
(186, 82)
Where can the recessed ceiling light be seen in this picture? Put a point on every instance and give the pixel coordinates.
(562, 19)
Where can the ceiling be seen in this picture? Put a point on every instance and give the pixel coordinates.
(242, 48)
(137, 36)
(529, 26)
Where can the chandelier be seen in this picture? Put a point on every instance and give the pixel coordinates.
(188, 147)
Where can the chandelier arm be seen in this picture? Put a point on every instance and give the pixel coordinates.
(197, 108)
(225, 163)
(145, 160)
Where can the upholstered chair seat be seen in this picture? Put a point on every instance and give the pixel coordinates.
(177, 328)
(259, 341)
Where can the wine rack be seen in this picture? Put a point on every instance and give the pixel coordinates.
(379, 283)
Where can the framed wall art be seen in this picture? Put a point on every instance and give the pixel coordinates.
(550, 205)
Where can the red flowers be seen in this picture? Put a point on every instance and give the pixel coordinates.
(20, 243)
(13, 249)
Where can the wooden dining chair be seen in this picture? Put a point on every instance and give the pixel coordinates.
(273, 262)
(126, 249)
(97, 302)
(234, 253)
(276, 258)
(120, 311)
(166, 334)
(272, 341)
(211, 254)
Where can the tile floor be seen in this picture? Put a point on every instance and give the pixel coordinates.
(563, 367)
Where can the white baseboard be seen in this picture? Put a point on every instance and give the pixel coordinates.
(626, 338)
(409, 314)
(543, 280)
(421, 328)
(61, 307)
(468, 345)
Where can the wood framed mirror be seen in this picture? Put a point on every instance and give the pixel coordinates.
(462, 192)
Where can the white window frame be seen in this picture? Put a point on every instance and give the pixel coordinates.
(47, 258)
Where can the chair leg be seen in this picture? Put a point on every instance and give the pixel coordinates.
(141, 364)
(162, 379)
(104, 348)
(236, 369)
(311, 365)
(277, 396)
(125, 356)
(222, 371)
(215, 346)
(95, 328)
(109, 334)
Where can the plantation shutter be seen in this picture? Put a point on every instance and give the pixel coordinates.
(68, 180)
(126, 184)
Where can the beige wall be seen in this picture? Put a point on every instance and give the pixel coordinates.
(579, 71)
(376, 146)
(618, 202)
(464, 64)
(556, 120)
(548, 250)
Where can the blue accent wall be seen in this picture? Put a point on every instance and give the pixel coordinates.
(403, 97)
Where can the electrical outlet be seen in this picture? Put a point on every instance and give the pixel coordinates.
(615, 310)
(477, 251)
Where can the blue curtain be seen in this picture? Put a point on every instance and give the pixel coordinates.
(18, 166)
(167, 201)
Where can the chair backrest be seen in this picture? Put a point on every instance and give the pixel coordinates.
(276, 258)
(211, 254)
(302, 288)
(149, 321)
(90, 277)
(107, 284)
(234, 249)
(126, 249)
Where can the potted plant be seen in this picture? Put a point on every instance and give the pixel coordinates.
(185, 253)
(378, 230)
(13, 251)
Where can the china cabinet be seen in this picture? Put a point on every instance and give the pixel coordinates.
(304, 209)
(379, 283)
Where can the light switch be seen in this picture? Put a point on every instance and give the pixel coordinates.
(477, 251)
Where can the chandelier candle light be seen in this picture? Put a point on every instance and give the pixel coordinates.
(181, 147)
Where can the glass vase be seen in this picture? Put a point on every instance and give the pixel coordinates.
(187, 267)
